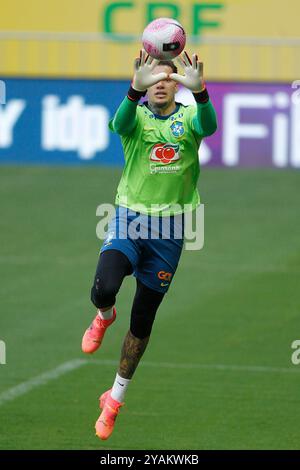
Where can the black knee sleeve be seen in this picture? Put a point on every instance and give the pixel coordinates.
(112, 267)
(103, 294)
(145, 306)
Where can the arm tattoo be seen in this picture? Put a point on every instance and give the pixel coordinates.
(132, 351)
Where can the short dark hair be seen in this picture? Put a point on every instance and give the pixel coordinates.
(169, 63)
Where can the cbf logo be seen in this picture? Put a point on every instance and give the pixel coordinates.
(177, 128)
(165, 153)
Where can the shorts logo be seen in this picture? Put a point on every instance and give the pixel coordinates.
(177, 128)
(165, 153)
(164, 276)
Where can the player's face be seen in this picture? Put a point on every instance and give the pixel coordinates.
(162, 93)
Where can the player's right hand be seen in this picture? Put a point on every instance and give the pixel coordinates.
(143, 76)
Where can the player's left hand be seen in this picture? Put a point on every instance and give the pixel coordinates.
(193, 73)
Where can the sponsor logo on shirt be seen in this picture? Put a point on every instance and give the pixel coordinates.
(165, 153)
(162, 156)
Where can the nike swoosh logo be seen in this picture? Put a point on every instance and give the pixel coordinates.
(122, 385)
(164, 284)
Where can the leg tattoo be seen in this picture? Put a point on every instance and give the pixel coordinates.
(132, 351)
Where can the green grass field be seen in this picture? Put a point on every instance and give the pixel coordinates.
(217, 373)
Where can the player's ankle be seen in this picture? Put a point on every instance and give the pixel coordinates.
(119, 388)
(106, 314)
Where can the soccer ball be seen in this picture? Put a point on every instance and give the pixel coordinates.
(164, 38)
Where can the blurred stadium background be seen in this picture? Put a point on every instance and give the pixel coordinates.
(223, 335)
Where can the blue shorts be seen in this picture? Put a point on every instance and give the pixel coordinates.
(152, 244)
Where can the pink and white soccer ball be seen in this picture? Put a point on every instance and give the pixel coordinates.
(164, 38)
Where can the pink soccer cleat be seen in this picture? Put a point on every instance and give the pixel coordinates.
(94, 335)
(105, 424)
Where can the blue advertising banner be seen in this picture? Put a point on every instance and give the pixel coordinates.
(66, 122)
(60, 121)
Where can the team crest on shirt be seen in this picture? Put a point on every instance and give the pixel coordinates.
(177, 128)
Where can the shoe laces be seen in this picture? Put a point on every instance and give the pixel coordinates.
(114, 408)
(99, 322)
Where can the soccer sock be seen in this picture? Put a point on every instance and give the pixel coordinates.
(119, 388)
(107, 315)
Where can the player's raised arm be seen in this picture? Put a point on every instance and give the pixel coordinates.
(125, 118)
(205, 121)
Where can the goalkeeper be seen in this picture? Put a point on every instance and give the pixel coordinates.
(160, 139)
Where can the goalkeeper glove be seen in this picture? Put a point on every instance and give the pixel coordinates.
(143, 76)
(193, 73)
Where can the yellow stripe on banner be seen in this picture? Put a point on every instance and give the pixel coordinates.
(106, 60)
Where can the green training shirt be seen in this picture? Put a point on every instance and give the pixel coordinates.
(161, 156)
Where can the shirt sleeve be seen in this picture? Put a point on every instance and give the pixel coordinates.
(125, 119)
(204, 121)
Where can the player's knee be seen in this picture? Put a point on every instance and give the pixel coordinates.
(103, 294)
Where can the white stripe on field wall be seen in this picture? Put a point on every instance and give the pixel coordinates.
(42, 379)
(69, 366)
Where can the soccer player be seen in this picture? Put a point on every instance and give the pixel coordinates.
(160, 139)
